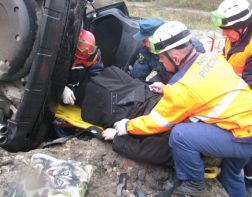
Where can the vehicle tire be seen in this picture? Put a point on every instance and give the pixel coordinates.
(50, 53)
(19, 36)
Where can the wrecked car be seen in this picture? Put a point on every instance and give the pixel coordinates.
(38, 39)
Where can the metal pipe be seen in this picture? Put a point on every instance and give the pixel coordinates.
(3, 139)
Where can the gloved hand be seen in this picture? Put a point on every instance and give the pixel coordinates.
(121, 127)
(68, 96)
(109, 133)
(157, 87)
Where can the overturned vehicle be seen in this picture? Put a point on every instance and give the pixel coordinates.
(38, 39)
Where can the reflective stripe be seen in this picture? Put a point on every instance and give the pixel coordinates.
(248, 177)
(160, 119)
(77, 67)
(224, 103)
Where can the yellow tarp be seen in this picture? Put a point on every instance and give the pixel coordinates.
(72, 114)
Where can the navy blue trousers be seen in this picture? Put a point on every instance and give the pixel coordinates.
(189, 140)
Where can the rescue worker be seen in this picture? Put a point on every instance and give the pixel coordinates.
(208, 113)
(87, 63)
(235, 18)
(146, 61)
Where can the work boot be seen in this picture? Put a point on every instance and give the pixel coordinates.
(168, 193)
(190, 187)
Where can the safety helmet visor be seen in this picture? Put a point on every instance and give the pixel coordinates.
(153, 46)
(217, 19)
(86, 47)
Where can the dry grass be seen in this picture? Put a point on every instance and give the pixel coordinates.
(194, 19)
(192, 4)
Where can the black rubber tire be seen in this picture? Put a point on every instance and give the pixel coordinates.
(20, 44)
(53, 52)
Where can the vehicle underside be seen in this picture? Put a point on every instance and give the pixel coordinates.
(38, 39)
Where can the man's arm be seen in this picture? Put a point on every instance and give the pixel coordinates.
(174, 107)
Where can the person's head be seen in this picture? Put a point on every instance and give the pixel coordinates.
(86, 51)
(233, 17)
(171, 41)
(147, 28)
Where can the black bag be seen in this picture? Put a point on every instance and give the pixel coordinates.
(114, 95)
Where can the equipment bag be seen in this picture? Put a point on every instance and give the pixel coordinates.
(114, 95)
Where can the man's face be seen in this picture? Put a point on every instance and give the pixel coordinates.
(231, 34)
(166, 62)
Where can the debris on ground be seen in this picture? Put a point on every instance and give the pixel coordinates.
(114, 173)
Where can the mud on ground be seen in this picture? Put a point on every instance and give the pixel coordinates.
(149, 178)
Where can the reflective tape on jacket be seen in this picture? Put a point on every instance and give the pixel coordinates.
(224, 103)
(238, 60)
(160, 120)
(209, 91)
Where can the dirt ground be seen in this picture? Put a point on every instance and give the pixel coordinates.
(109, 165)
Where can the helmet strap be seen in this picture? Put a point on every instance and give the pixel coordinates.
(240, 34)
(172, 61)
(187, 55)
(244, 31)
(181, 62)
(92, 56)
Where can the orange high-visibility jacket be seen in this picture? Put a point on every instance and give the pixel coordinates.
(209, 91)
(238, 60)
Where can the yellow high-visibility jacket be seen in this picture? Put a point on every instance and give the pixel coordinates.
(238, 59)
(209, 91)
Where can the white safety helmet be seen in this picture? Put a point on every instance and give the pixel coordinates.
(169, 36)
(232, 14)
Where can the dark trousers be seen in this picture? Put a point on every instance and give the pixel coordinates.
(152, 149)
